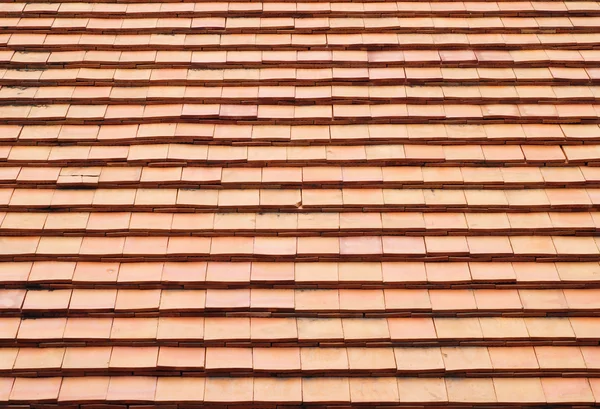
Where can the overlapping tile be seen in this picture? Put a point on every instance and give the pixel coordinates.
(486, 134)
(305, 9)
(360, 391)
(290, 177)
(260, 248)
(71, 114)
(25, 41)
(273, 25)
(305, 224)
(553, 75)
(260, 156)
(523, 96)
(451, 58)
(199, 362)
(300, 200)
(299, 302)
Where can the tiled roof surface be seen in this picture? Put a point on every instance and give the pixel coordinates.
(299, 204)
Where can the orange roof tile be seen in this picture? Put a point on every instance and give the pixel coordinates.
(341, 204)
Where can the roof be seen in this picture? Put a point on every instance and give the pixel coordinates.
(299, 204)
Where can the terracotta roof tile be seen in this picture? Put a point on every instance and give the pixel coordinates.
(301, 203)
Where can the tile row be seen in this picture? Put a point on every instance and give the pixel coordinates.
(174, 155)
(299, 114)
(387, 8)
(214, 274)
(298, 25)
(298, 331)
(300, 134)
(546, 96)
(303, 248)
(294, 156)
(301, 224)
(529, 361)
(298, 200)
(332, 391)
(363, 41)
(300, 302)
(101, 77)
(301, 177)
(291, 58)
